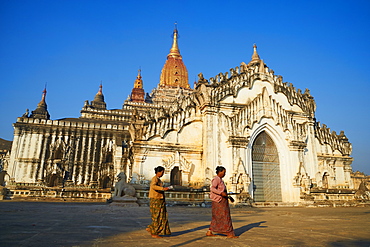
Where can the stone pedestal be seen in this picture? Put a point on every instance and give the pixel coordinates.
(124, 201)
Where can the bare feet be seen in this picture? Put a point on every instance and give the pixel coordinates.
(156, 236)
(209, 233)
(232, 236)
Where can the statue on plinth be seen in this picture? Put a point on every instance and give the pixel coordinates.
(124, 193)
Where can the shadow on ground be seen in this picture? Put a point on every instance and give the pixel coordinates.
(239, 231)
(351, 243)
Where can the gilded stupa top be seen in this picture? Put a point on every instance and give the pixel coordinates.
(174, 73)
(138, 82)
(175, 52)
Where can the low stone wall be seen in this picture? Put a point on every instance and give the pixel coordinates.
(177, 198)
(332, 194)
(58, 194)
(182, 197)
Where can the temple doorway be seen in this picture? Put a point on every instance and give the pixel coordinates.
(266, 170)
(325, 183)
(176, 176)
(54, 180)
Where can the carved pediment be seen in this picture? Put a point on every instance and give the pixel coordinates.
(177, 160)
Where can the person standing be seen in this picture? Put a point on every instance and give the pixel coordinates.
(221, 219)
(158, 211)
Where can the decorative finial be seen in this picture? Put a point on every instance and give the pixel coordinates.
(100, 91)
(98, 101)
(255, 56)
(175, 52)
(138, 82)
(43, 94)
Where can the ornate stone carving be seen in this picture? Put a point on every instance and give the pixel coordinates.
(337, 142)
(177, 160)
(238, 141)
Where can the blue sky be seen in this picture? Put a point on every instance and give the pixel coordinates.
(74, 45)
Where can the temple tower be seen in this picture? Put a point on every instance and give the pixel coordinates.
(98, 102)
(42, 109)
(137, 93)
(174, 77)
(174, 72)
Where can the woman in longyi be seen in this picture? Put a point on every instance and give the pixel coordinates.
(157, 205)
(221, 219)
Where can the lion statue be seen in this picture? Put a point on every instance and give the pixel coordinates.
(122, 188)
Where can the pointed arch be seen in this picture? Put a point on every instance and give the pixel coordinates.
(279, 137)
(266, 169)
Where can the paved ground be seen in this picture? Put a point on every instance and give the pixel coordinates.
(92, 224)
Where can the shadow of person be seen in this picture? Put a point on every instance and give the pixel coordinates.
(189, 230)
(243, 229)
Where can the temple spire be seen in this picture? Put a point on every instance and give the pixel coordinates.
(100, 92)
(42, 109)
(137, 93)
(138, 82)
(98, 101)
(99, 97)
(43, 96)
(175, 52)
(255, 56)
(174, 73)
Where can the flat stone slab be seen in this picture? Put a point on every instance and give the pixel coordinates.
(98, 224)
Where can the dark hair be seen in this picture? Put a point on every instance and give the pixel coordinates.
(220, 169)
(158, 169)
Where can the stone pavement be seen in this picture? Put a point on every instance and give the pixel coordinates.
(96, 224)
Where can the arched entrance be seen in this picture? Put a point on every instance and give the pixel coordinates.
(176, 176)
(266, 170)
(325, 181)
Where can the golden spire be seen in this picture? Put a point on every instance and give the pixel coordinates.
(175, 52)
(174, 72)
(255, 57)
(138, 82)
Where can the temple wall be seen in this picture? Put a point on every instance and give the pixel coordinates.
(70, 151)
